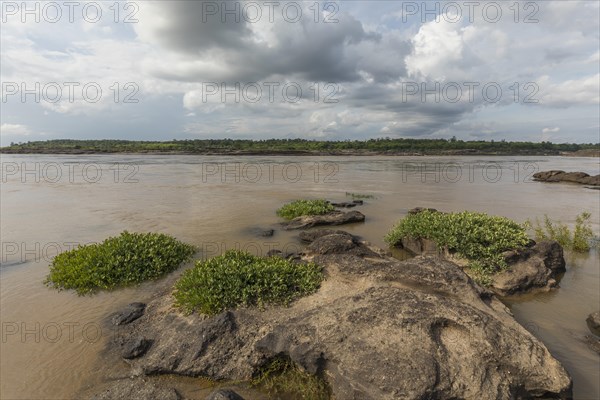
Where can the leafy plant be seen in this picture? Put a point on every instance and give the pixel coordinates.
(304, 207)
(123, 260)
(282, 376)
(238, 278)
(577, 240)
(478, 237)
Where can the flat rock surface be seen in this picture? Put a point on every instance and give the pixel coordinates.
(332, 218)
(562, 176)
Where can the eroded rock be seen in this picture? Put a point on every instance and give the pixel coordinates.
(130, 313)
(378, 328)
(332, 218)
(135, 389)
(135, 347)
(593, 322)
(562, 176)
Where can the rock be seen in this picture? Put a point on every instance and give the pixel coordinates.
(343, 204)
(417, 210)
(135, 389)
(378, 328)
(129, 314)
(274, 252)
(332, 218)
(593, 343)
(278, 253)
(267, 232)
(311, 236)
(135, 347)
(358, 202)
(593, 322)
(224, 394)
(536, 267)
(562, 176)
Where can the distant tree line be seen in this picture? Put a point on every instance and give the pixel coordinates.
(299, 146)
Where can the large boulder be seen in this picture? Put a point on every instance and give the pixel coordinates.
(378, 328)
(332, 218)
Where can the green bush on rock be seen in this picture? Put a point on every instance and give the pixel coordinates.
(238, 278)
(478, 237)
(123, 260)
(304, 207)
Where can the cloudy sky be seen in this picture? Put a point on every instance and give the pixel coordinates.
(159, 70)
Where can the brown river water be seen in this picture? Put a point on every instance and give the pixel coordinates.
(52, 341)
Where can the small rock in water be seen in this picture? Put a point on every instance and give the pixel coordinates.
(593, 322)
(344, 204)
(135, 348)
(129, 314)
(358, 202)
(267, 233)
(224, 394)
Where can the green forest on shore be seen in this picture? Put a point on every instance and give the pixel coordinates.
(303, 146)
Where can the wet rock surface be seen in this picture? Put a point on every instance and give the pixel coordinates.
(137, 388)
(130, 313)
(378, 328)
(135, 347)
(224, 394)
(562, 176)
(332, 218)
(593, 322)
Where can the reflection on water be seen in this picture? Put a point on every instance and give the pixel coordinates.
(49, 204)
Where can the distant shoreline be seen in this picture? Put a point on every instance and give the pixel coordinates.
(307, 153)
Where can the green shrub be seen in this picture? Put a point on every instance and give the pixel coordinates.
(304, 207)
(478, 237)
(123, 260)
(579, 240)
(282, 376)
(238, 278)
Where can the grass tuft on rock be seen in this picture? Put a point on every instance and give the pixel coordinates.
(304, 207)
(478, 237)
(237, 278)
(124, 260)
(280, 376)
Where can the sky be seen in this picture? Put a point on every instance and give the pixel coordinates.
(329, 70)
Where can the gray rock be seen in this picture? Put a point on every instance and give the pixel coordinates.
(311, 236)
(224, 394)
(129, 314)
(593, 322)
(135, 389)
(378, 328)
(332, 218)
(533, 268)
(343, 204)
(135, 347)
(562, 176)
(593, 342)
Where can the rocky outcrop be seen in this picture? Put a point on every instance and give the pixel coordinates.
(593, 322)
(536, 267)
(378, 328)
(562, 176)
(137, 388)
(332, 218)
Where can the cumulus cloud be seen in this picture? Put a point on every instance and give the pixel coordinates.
(551, 130)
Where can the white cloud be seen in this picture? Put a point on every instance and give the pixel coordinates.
(551, 130)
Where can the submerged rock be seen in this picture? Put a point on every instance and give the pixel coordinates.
(332, 218)
(344, 204)
(378, 328)
(129, 314)
(593, 322)
(224, 394)
(562, 176)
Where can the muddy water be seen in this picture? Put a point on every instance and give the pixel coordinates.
(51, 340)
